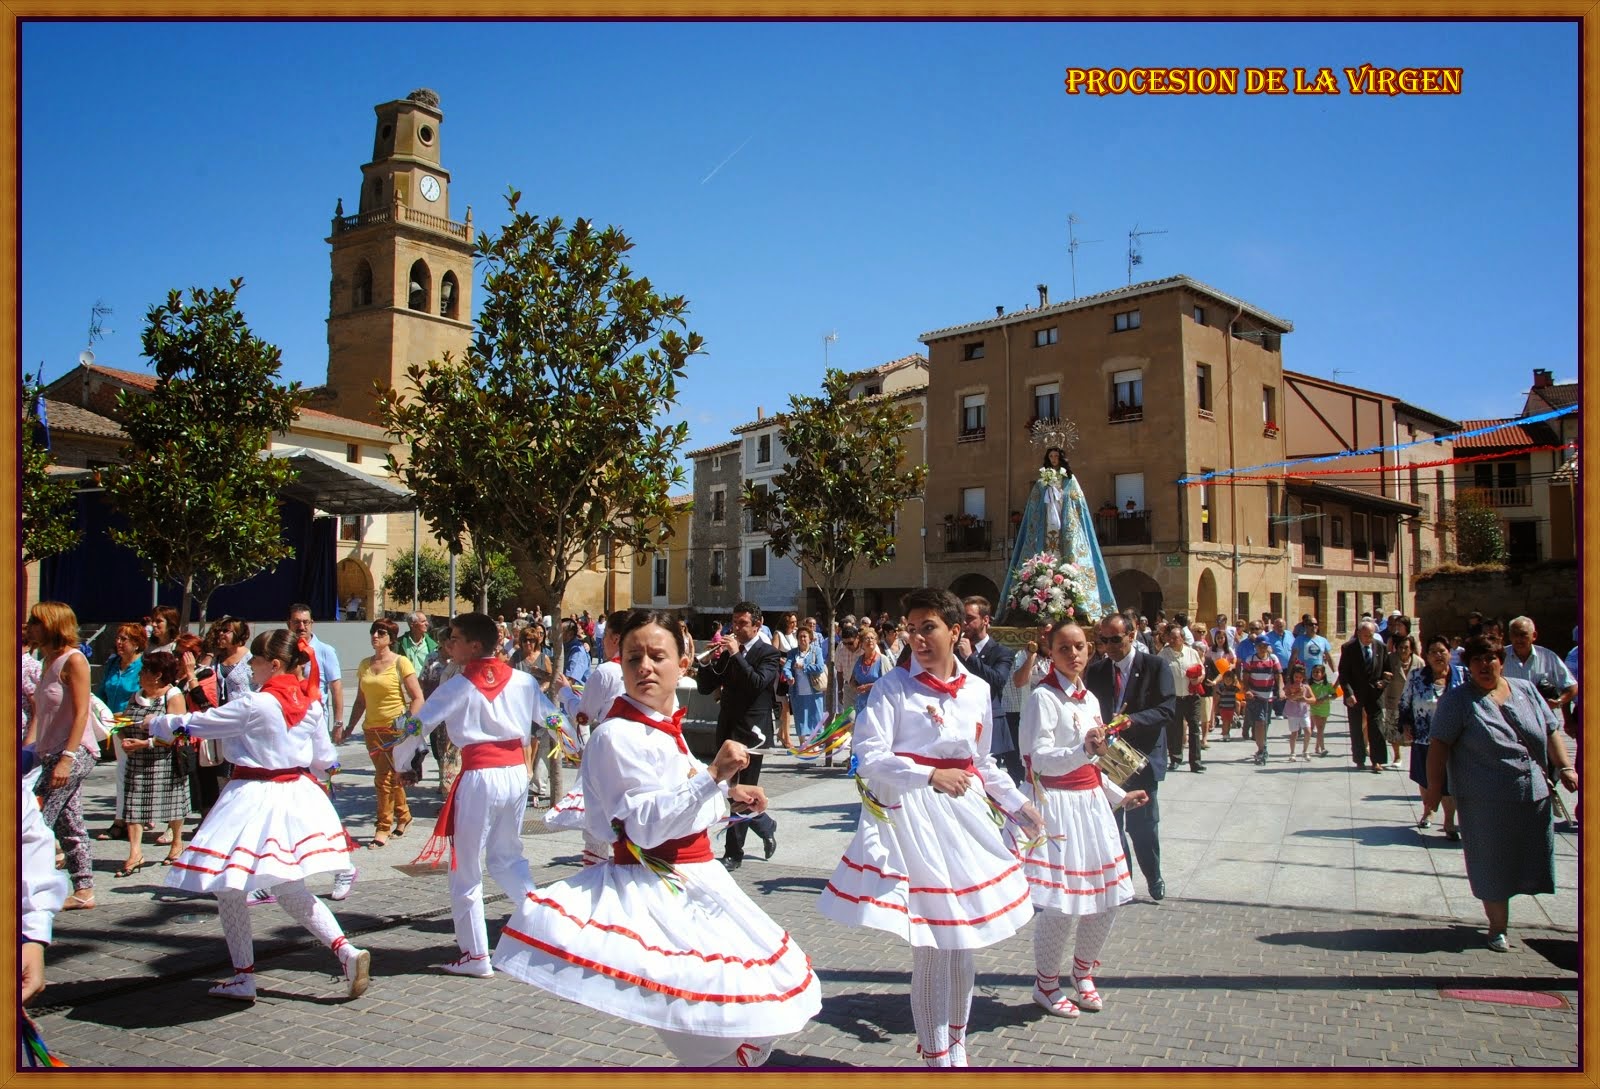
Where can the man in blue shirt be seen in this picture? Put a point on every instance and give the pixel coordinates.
(300, 623)
(576, 664)
(1281, 643)
(1311, 648)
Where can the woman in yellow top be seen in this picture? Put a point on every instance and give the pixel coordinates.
(388, 689)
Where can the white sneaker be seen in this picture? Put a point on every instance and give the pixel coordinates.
(241, 988)
(343, 882)
(357, 969)
(466, 964)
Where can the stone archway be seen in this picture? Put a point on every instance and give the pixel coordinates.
(354, 579)
(1136, 590)
(973, 583)
(1205, 609)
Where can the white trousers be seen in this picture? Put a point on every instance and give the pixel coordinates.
(489, 806)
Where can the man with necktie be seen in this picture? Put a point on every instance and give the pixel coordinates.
(745, 668)
(1139, 686)
(1362, 674)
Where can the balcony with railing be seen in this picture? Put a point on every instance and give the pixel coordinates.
(1311, 552)
(404, 214)
(1517, 496)
(972, 434)
(1125, 413)
(1124, 527)
(967, 535)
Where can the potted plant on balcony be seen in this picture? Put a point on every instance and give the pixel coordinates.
(1270, 429)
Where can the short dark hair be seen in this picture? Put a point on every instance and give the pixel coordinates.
(1475, 646)
(748, 607)
(385, 625)
(162, 663)
(477, 628)
(943, 602)
(299, 607)
(985, 607)
(632, 620)
(616, 618)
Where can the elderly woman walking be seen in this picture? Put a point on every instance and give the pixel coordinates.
(1500, 743)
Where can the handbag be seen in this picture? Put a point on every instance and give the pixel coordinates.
(1559, 806)
(183, 760)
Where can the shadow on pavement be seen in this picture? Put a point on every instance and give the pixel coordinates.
(791, 883)
(1382, 835)
(1448, 938)
(1562, 953)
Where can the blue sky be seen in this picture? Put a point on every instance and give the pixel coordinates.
(889, 179)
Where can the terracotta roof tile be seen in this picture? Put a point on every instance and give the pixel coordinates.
(62, 416)
(1499, 439)
(146, 381)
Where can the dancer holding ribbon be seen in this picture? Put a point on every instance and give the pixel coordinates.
(272, 826)
(928, 862)
(1078, 871)
(660, 934)
(488, 709)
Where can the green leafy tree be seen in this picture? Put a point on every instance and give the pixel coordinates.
(503, 582)
(200, 500)
(49, 507)
(546, 440)
(834, 505)
(1479, 538)
(432, 576)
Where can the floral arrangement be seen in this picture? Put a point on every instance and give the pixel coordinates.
(1048, 588)
(1054, 478)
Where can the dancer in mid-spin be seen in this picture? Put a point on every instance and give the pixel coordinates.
(1078, 871)
(928, 862)
(659, 933)
(272, 826)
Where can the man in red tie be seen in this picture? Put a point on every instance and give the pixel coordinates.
(1139, 686)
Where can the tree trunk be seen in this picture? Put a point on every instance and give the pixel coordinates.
(188, 599)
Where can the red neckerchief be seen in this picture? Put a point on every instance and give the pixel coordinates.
(945, 688)
(1076, 694)
(615, 661)
(293, 694)
(488, 675)
(671, 726)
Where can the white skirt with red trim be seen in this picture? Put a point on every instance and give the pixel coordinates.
(704, 960)
(261, 833)
(568, 811)
(938, 874)
(1081, 868)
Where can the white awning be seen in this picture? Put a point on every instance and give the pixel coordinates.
(332, 486)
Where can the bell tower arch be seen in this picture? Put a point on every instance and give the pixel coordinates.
(386, 309)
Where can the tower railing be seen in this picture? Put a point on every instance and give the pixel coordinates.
(402, 213)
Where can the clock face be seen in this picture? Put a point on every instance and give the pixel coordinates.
(430, 187)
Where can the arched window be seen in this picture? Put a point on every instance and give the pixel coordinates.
(447, 295)
(363, 284)
(377, 193)
(421, 287)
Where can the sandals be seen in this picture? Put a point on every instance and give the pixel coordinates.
(118, 830)
(82, 900)
(1083, 982)
(379, 839)
(130, 868)
(1055, 1001)
(1453, 835)
(400, 828)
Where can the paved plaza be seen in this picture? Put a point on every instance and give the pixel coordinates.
(1307, 924)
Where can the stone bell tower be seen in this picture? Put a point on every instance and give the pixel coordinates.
(401, 290)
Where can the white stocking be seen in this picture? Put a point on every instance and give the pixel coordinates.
(930, 998)
(963, 974)
(1050, 933)
(311, 913)
(1093, 930)
(234, 907)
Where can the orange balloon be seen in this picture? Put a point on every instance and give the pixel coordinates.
(1223, 665)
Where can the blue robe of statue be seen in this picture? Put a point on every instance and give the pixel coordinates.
(1078, 542)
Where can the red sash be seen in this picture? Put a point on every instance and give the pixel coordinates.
(474, 757)
(1084, 778)
(270, 775)
(963, 763)
(695, 847)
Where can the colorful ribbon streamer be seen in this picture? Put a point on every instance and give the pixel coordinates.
(830, 738)
(1499, 455)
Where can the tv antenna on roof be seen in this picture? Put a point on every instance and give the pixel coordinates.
(828, 338)
(1073, 242)
(1337, 371)
(96, 331)
(1134, 256)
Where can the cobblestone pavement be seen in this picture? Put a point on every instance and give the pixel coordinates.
(1199, 979)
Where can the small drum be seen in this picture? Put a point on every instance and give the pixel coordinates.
(1121, 761)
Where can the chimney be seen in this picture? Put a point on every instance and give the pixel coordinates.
(999, 311)
(1542, 378)
(760, 413)
(1044, 295)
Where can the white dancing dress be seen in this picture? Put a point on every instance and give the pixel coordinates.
(937, 872)
(1081, 868)
(272, 822)
(618, 938)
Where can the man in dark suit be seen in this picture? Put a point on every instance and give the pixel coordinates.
(1363, 672)
(746, 669)
(1140, 686)
(984, 657)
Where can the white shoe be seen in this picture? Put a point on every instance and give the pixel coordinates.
(1058, 1006)
(343, 882)
(241, 988)
(466, 964)
(958, 1053)
(357, 970)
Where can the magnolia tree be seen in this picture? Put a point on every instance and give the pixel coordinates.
(834, 506)
(200, 500)
(546, 440)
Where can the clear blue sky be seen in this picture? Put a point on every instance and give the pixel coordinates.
(889, 179)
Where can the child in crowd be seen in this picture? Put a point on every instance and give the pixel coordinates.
(488, 709)
(934, 869)
(658, 933)
(1297, 697)
(1323, 691)
(1263, 681)
(1227, 692)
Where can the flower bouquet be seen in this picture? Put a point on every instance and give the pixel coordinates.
(1048, 588)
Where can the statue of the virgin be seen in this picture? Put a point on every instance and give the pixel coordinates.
(1057, 520)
